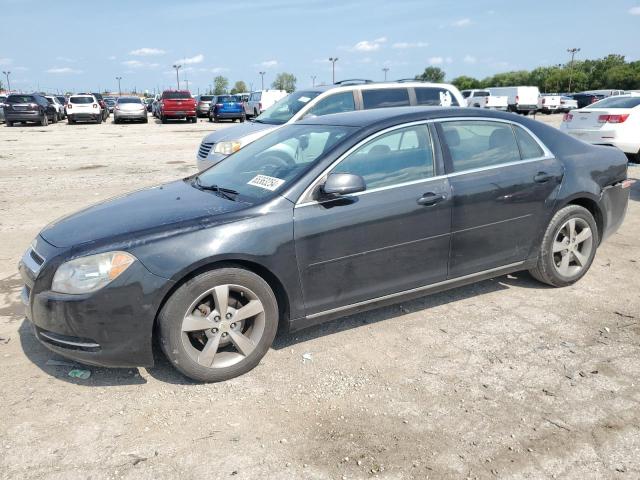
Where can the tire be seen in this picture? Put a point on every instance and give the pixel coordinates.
(9, 124)
(255, 113)
(99, 119)
(70, 121)
(55, 118)
(210, 118)
(145, 120)
(45, 120)
(547, 269)
(163, 119)
(243, 118)
(185, 349)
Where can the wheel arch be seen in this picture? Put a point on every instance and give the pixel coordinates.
(591, 204)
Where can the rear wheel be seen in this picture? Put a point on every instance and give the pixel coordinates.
(255, 112)
(55, 118)
(99, 119)
(219, 324)
(45, 120)
(163, 119)
(568, 247)
(70, 120)
(9, 124)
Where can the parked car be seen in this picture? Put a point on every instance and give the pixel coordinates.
(63, 100)
(226, 107)
(3, 99)
(521, 99)
(611, 121)
(549, 103)
(606, 92)
(203, 103)
(57, 105)
(130, 108)
(177, 104)
(318, 220)
(484, 99)
(567, 104)
(84, 107)
(33, 107)
(110, 103)
(259, 101)
(103, 105)
(149, 103)
(323, 100)
(585, 99)
(155, 106)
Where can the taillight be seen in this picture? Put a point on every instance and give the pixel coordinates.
(613, 118)
(95, 105)
(543, 100)
(117, 107)
(567, 117)
(69, 105)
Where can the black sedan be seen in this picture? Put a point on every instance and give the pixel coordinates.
(319, 219)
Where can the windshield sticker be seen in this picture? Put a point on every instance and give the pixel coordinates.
(266, 182)
(304, 99)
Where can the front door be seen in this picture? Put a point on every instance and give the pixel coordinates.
(390, 238)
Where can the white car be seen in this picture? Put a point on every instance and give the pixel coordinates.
(59, 106)
(261, 100)
(611, 121)
(521, 99)
(549, 103)
(484, 99)
(567, 104)
(345, 96)
(83, 107)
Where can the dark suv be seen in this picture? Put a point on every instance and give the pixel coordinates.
(103, 105)
(31, 107)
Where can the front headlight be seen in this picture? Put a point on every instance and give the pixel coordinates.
(227, 148)
(88, 274)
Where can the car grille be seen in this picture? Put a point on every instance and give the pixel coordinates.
(205, 148)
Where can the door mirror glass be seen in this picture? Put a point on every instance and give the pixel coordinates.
(343, 184)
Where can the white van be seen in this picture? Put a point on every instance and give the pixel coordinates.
(520, 99)
(261, 100)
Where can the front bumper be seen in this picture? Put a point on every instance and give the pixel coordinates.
(111, 327)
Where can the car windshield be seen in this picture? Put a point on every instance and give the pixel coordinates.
(81, 100)
(227, 99)
(616, 102)
(274, 162)
(282, 111)
(176, 95)
(20, 99)
(129, 100)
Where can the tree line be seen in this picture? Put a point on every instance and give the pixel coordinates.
(283, 81)
(610, 72)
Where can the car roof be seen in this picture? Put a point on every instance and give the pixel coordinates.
(394, 115)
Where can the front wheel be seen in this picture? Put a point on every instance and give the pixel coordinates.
(45, 120)
(568, 247)
(55, 118)
(219, 324)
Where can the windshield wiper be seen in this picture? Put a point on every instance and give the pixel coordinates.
(221, 191)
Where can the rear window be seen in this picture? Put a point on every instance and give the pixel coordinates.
(481, 94)
(529, 148)
(438, 97)
(385, 97)
(227, 99)
(175, 95)
(206, 98)
(617, 102)
(81, 100)
(129, 100)
(21, 99)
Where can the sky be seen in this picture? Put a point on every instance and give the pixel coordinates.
(83, 45)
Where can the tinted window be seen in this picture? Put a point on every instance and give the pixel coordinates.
(175, 95)
(476, 144)
(466, 93)
(206, 98)
(227, 98)
(481, 94)
(400, 156)
(385, 97)
(340, 102)
(81, 100)
(129, 100)
(617, 102)
(436, 97)
(21, 99)
(529, 148)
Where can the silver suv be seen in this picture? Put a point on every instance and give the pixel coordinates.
(344, 96)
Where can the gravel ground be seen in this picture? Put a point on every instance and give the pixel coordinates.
(502, 379)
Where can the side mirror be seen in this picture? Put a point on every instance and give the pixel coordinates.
(343, 184)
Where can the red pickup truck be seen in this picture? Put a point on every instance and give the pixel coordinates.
(177, 104)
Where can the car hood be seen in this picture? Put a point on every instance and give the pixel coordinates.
(246, 129)
(149, 211)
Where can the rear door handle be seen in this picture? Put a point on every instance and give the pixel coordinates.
(542, 177)
(431, 198)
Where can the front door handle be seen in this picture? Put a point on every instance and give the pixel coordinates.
(542, 177)
(431, 198)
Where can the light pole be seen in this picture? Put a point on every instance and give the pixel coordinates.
(333, 61)
(6, 74)
(573, 52)
(385, 70)
(119, 89)
(313, 80)
(262, 79)
(177, 67)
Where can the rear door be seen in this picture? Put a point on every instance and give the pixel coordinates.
(504, 184)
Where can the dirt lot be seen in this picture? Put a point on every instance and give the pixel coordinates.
(502, 379)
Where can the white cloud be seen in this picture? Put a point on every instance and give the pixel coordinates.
(146, 52)
(191, 60)
(463, 22)
(268, 64)
(6, 61)
(634, 10)
(403, 45)
(63, 70)
(112, 57)
(65, 59)
(469, 59)
(139, 64)
(436, 61)
(369, 45)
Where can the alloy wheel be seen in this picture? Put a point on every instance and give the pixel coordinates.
(572, 247)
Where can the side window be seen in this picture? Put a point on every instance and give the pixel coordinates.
(340, 102)
(466, 93)
(403, 155)
(385, 97)
(476, 144)
(436, 97)
(529, 148)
